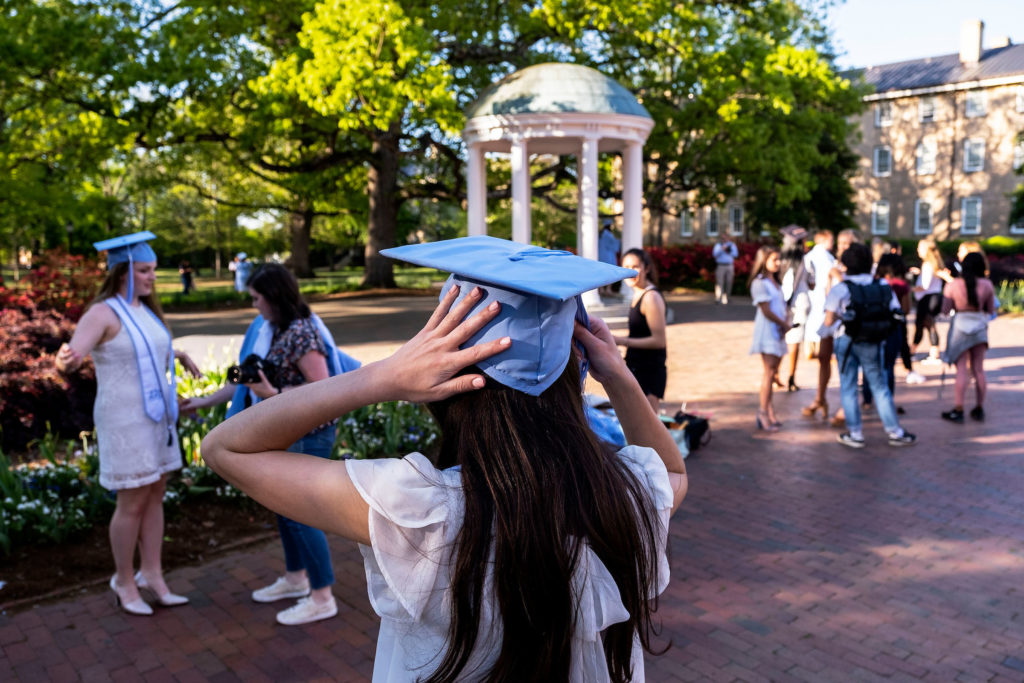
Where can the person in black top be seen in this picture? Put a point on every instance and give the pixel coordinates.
(645, 345)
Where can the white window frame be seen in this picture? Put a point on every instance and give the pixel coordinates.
(735, 224)
(1020, 99)
(709, 212)
(926, 113)
(874, 162)
(919, 156)
(918, 203)
(1018, 155)
(976, 104)
(686, 223)
(886, 120)
(963, 216)
(974, 142)
(1017, 228)
(876, 213)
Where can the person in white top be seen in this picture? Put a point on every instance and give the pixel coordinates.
(771, 323)
(928, 294)
(535, 552)
(725, 254)
(819, 263)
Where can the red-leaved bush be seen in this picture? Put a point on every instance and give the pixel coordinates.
(692, 265)
(37, 315)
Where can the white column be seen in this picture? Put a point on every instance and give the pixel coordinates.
(632, 197)
(588, 198)
(588, 210)
(476, 191)
(520, 191)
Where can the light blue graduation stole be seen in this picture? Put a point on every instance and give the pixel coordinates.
(159, 396)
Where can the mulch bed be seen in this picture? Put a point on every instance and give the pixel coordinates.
(197, 531)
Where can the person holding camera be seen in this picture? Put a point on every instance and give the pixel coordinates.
(286, 346)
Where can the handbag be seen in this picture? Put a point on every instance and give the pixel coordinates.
(697, 429)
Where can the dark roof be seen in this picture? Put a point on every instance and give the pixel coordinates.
(947, 69)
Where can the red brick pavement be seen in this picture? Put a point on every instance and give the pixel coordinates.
(793, 558)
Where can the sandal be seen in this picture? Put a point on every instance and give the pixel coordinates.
(810, 410)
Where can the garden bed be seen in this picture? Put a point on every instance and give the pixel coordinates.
(199, 529)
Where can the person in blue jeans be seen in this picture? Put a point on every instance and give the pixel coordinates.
(858, 355)
(300, 350)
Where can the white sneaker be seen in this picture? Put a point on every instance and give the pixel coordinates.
(307, 611)
(281, 589)
(914, 377)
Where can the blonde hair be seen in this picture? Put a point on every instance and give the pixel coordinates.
(932, 254)
(974, 247)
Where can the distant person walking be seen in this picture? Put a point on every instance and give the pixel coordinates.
(243, 270)
(972, 297)
(608, 247)
(771, 322)
(725, 254)
(185, 272)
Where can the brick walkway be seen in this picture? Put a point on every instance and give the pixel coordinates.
(793, 558)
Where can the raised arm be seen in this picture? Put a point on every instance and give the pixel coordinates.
(249, 449)
(99, 324)
(640, 424)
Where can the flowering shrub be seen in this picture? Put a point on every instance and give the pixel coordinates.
(692, 265)
(384, 430)
(36, 317)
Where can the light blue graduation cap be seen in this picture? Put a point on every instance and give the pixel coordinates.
(128, 248)
(538, 290)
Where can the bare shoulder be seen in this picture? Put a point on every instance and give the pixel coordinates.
(101, 319)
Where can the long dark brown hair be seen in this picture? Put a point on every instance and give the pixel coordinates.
(281, 290)
(111, 285)
(537, 484)
(759, 262)
(973, 267)
(650, 270)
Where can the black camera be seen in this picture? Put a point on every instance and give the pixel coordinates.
(248, 371)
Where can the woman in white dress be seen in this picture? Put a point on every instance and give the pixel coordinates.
(135, 412)
(771, 323)
(540, 556)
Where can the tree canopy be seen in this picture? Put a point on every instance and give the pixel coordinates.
(347, 114)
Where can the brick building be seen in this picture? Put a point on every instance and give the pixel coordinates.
(938, 142)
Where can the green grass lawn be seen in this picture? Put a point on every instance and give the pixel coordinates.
(211, 292)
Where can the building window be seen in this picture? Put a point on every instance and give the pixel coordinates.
(974, 154)
(926, 152)
(926, 109)
(1020, 99)
(1017, 228)
(880, 218)
(883, 114)
(970, 215)
(883, 161)
(711, 221)
(686, 223)
(736, 219)
(1018, 157)
(922, 217)
(976, 103)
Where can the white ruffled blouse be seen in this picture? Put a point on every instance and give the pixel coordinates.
(416, 512)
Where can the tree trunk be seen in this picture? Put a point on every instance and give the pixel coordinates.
(300, 226)
(383, 187)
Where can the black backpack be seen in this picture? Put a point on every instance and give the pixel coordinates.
(869, 317)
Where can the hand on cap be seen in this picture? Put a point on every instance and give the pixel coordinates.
(605, 360)
(426, 367)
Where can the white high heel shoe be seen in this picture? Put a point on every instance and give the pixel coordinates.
(138, 607)
(168, 599)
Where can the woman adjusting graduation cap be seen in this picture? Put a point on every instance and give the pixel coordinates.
(136, 411)
(530, 550)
